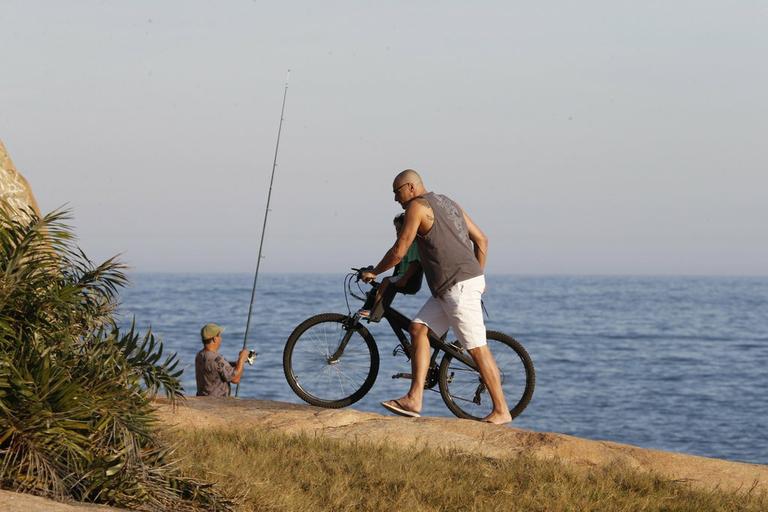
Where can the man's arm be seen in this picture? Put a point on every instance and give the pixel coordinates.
(413, 216)
(479, 240)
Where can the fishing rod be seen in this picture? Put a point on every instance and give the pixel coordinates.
(252, 354)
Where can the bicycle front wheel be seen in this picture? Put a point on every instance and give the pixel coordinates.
(322, 370)
(464, 392)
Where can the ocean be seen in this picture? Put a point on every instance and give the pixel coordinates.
(671, 363)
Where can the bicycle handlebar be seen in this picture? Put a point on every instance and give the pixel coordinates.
(359, 271)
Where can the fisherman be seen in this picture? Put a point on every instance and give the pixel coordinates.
(212, 372)
(452, 251)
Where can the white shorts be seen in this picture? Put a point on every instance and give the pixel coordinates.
(460, 309)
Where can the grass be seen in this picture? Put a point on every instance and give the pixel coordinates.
(269, 471)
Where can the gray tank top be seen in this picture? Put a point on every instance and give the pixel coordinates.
(446, 252)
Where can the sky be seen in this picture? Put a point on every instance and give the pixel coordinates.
(604, 137)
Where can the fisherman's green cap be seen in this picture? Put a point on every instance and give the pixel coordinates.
(210, 331)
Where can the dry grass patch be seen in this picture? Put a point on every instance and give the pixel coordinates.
(270, 471)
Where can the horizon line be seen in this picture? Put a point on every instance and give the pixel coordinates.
(515, 274)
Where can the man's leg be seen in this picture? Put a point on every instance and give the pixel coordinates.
(489, 372)
(464, 305)
(430, 315)
(413, 400)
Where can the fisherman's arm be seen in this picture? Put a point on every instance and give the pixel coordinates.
(479, 240)
(237, 368)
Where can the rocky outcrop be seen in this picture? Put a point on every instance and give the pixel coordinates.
(463, 435)
(348, 425)
(17, 502)
(15, 193)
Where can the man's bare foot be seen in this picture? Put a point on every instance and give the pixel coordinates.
(411, 403)
(498, 418)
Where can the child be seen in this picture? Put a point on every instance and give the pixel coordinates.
(406, 279)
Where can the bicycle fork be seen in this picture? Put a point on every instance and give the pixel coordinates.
(334, 358)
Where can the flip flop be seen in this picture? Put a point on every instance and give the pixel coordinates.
(492, 423)
(397, 408)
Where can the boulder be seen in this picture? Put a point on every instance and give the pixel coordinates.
(15, 193)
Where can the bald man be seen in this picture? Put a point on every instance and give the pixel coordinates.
(452, 250)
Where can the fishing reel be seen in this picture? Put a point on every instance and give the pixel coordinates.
(251, 356)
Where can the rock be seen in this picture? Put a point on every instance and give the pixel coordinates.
(463, 435)
(15, 193)
(17, 502)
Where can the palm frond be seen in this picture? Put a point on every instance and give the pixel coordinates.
(76, 418)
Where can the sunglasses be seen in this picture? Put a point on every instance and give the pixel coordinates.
(398, 188)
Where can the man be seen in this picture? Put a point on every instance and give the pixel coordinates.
(452, 251)
(212, 372)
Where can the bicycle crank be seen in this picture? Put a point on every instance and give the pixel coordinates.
(431, 381)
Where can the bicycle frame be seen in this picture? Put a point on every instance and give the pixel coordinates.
(401, 324)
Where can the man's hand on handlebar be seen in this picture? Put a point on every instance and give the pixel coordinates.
(366, 275)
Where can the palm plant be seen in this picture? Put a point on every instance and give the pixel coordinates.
(76, 419)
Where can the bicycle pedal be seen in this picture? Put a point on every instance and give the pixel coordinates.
(402, 375)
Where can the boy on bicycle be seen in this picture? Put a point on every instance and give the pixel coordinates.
(406, 279)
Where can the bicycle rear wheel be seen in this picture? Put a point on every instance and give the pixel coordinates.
(321, 375)
(464, 392)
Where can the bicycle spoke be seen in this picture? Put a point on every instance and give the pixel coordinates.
(455, 397)
(349, 378)
(341, 383)
(321, 344)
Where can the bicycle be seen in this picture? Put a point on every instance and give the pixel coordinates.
(331, 360)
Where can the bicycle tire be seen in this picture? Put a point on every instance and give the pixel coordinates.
(307, 350)
(466, 397)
